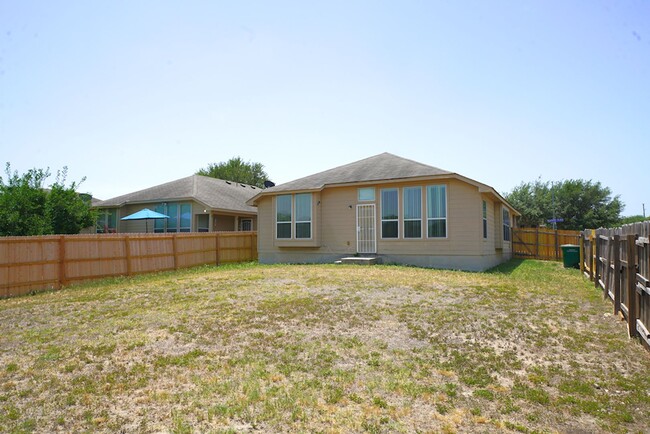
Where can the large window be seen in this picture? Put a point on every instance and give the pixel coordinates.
(107, 221)
(293, 216)
(283, 216)
(389, 213)
(412, 198)
(180, 217)
(436, 211)
(506, 225)
(303, 215)
(485, 223)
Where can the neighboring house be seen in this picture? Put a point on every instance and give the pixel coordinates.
(400, 210)
(194, 204)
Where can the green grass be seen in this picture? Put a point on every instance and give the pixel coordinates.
(526, 347)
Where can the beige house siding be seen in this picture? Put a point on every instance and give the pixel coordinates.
(335, 229)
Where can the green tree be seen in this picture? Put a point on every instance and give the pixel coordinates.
(27, 207)
(581, 204)
(22, 203)
(633, 219)
(67, 211)
(237, 170)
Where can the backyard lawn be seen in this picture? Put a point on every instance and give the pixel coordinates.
(531, 347)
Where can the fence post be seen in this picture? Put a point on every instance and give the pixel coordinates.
(581, 240)
(216, 247)
(127, 251)
(597, 261)
(62, 276)
(631, 286)
(175, 251)
(617, 273)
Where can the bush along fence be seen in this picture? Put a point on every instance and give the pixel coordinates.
(618, 262)
(541, 243)
(31, 264)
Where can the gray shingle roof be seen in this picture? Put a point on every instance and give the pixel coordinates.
(214, 193)
(378, 168)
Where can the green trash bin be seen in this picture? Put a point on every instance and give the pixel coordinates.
(571, 255)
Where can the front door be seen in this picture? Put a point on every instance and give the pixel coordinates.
(366, 236)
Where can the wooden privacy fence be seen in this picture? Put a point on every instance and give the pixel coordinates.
(30, 264)
(618, 262)
(541, 243)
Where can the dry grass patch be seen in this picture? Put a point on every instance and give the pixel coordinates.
(529, 347)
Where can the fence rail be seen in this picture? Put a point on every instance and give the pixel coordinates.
(541, 243)
(618, 262)
(29, 264)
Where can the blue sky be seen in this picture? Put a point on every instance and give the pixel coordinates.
(137, 93)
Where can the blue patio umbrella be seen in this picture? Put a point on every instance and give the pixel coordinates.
(146, 215)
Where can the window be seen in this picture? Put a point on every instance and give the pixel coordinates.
(437, 211)
(293, 216)
(107, 221)
(303, 215)
(389, 213)
(506, 225)
(283, 216)
(412, 198)
(484, 219)
(203, 223)
(246, 225)
(180, 217)
(366, 194)
(186, 217)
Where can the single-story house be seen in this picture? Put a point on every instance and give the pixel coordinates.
(194, 204)
(397, 209)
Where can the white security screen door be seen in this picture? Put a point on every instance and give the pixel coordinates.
(366, 236)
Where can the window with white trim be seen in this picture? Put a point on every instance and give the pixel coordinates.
(293, 216)
(303, 215)
(437, 211)
(506, 225)
(366, 194)
(412, 200)
(485, 222)
(389, 213)
(283, 216)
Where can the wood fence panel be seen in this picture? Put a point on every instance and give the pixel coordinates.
(620, 264)
(542, 243)
(37, 263)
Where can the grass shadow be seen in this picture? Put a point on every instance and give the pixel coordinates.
(507, 267)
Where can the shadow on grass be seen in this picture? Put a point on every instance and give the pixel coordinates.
(507, 267)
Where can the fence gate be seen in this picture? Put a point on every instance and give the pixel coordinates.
(366, 237)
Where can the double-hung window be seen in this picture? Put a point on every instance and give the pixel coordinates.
(389, 213)
(437, 211)
(303, 215)
(283, 216)
(412, 198)
(485, 223)
(506, 225)
(293, 216)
